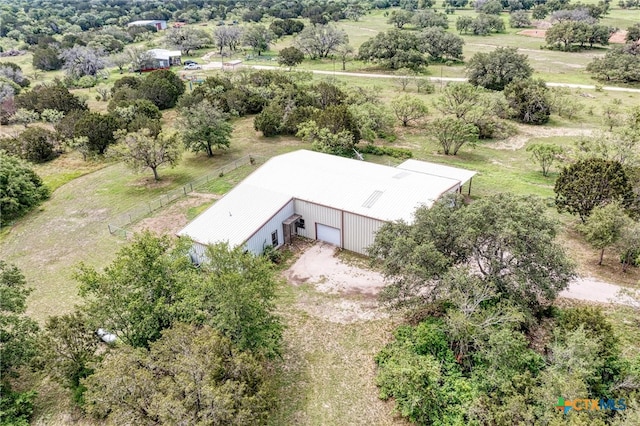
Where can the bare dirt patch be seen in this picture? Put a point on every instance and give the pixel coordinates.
(319, 265)
(533, 33)
(525, 133)
(617, 37)
(354, 288)
(173, 218)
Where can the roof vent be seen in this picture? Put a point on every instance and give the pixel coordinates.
(375, 196)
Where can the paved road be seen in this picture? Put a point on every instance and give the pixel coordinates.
(446, 79)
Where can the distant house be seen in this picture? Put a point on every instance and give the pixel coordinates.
(158, 24)
(162, 59)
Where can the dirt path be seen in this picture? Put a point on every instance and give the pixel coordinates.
(354, 287)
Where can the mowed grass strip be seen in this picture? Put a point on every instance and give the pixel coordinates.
(329, 370)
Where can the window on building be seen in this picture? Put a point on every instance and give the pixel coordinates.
(274, 238)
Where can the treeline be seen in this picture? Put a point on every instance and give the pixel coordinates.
(334, 119)
(135, 105)
(28, 20)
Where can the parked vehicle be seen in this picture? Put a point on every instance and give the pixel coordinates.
(192, 67)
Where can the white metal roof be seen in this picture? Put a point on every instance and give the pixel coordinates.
(146, 22)
(164, 53)
(368, 189)
(434, 169)
(236, 216)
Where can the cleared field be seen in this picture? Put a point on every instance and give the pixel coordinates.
(72, 226)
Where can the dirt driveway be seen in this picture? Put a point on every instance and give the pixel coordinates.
(354, 288)
(344, 293)
(319, 265)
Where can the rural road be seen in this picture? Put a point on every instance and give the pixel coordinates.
(438, 79)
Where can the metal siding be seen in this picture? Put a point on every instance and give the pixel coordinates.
(314, 213)
(198, 252)
(256, 243)
(359, 232)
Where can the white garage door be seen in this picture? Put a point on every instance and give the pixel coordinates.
(328, 234)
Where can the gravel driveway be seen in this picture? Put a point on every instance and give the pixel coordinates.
(319, 265)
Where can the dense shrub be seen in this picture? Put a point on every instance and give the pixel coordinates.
(400, 153)
(54, 96)
(269, 121)
(21, 189)
(37, 145)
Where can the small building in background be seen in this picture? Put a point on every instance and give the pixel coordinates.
(232, 65)
(162, 59)
(158, 24)
(324, 197)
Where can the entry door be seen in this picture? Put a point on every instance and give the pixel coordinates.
(328, 234)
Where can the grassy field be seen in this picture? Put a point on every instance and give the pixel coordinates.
(72, 225)
(561, 67)
(329, 378)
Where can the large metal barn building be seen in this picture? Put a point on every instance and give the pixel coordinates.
(320, 196)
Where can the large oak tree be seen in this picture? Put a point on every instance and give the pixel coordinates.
(507, 240)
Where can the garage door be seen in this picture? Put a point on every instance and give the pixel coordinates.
(328, 234)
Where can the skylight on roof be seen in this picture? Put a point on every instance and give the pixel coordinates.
(375, 196)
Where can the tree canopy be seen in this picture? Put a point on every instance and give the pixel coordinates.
(496, 69)
(508, 239)
(21, 189)
(319, 41)
(18, 335)
(205, 128)
(394, 49)
(589, 183)
(141, 150)
(152, 285)
(191, 375)
(529, 100)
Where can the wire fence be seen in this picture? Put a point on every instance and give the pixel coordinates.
(117, 226)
